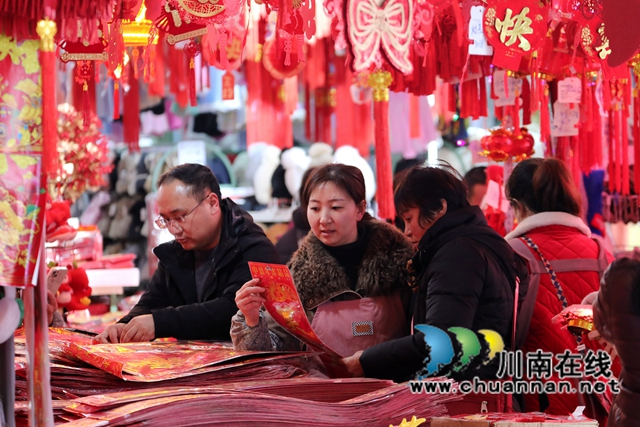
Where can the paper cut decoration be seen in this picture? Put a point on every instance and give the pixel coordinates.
(373, 28)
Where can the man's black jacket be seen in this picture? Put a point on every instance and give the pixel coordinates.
(171, 294)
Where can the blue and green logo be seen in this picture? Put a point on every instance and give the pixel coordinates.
(457, 350)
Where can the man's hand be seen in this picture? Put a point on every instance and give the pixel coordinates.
(249, 301)
(52, 307)
(353, 364)
(139, 329)
(110, 335)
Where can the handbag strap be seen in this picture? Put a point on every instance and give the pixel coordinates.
(554, 280)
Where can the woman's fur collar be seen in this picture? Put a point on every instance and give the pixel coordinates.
(544, 219)
(318, 276)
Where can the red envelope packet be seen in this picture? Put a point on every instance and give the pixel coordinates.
(283, 304)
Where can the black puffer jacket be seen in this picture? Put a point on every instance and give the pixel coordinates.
(171, 296)
(616, 313)
(466, 275)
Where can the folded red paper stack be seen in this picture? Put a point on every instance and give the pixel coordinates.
(194, 383)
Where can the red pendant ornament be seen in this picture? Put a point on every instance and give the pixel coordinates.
(85, 56)
(514, 28)
(279, 69)
(228, 86)
(192, 50)
(373, 30)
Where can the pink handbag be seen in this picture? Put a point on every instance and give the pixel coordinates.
(357, 324)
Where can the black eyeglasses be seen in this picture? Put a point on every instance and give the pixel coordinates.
(165, 223)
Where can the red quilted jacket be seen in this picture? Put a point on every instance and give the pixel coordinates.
(566, 239)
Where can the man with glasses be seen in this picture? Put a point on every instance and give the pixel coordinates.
(191, 295)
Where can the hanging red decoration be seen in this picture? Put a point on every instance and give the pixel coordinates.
(192, 50)
(373, 30)
(277, 68)
(47, 30)
(514, 28)
(621, 19)
(85, 55)
(522, 145)
(380, 82)
(498, 145)
(223, 49)
(177, 30)
(206, 12)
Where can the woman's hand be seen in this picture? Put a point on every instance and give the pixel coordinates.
(249, 301)
(353, 364)
(52, 306)
(590, 298)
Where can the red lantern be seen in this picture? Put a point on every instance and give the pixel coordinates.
(522, 145)
(514, 28)
(498, 145)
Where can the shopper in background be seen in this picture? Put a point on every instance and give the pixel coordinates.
(476, 181)
(547, 205)
(466, 273)
(291, 240)
(616, 313)
(191, 295)
(349, 268)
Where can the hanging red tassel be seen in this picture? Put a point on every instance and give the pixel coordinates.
(611, 145)
(545, 124)
(191, 50)
(534, 99)
(484, 112)
(636, 138)
(131, 114)
(204, 72)
(415, 131)
(452, 99)
(223, 41)
(47, 30)
(526, 102)
(228, 86)
(116, 100)
(299, 47)
(380, 82)
(575, 154)
(618, 147)
(624, 142)
(307, 116)
(516, 115)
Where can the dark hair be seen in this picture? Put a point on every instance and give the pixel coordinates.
(544, 185)
(197, 177)
(475, 176)
(424, 187)
(347, 178)
(305, 178)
